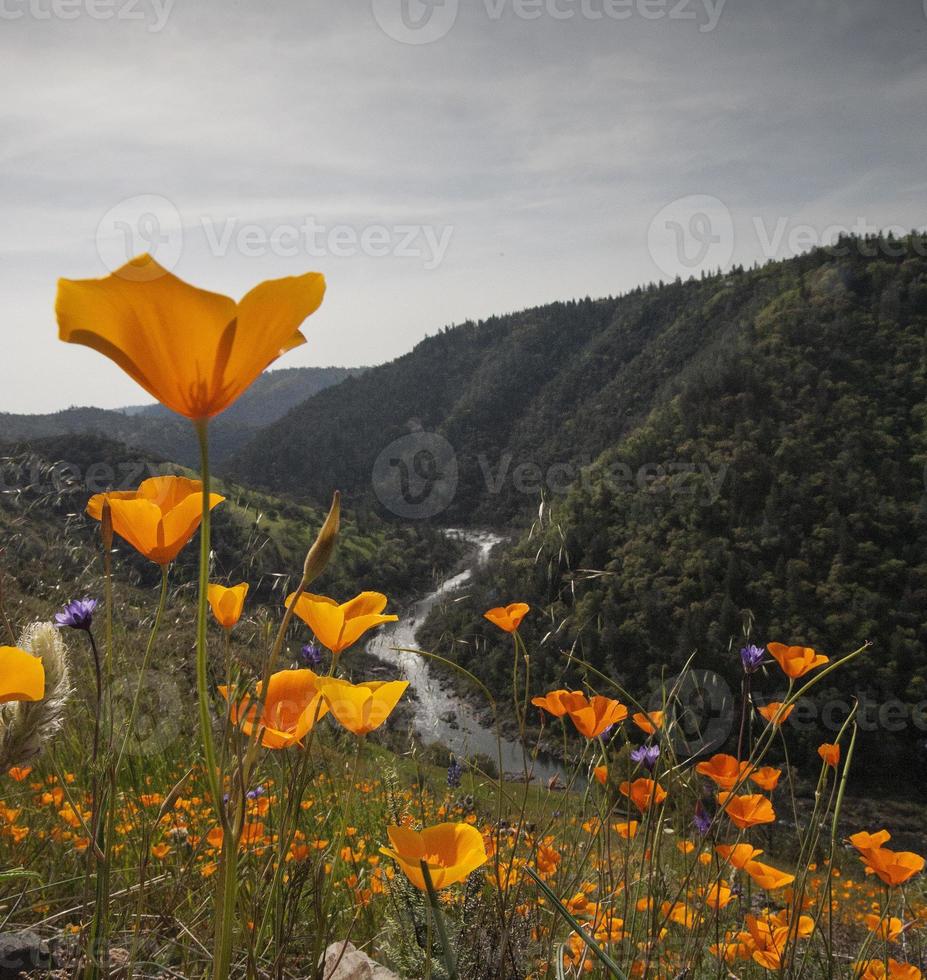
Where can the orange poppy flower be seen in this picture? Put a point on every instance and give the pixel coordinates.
(508, 618)
(553, 703)
(775, 712)
(747, 811)
(830, 753)
(195, 351)
(594, 715)
(723, 770)
(361, 708)
(20, 773)
(893, 867)
(649, 722)
(227, 604)
(601, 774)
(293, 706)
(889, 927)
(341, 626)
(864, 841)
(796, 661)
(768, 877)
(718, 896)
(877, 970)
(159, 518)
(626, 830)
(644, 793)
(452, 852)
(766, 778)
(22, 676)
(738, 855)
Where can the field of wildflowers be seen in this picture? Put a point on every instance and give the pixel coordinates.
(288, 827)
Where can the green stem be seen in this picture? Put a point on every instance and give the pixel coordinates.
(450, 961)
(222, 957)
(146, 663)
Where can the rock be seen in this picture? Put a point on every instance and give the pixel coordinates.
(343, 961)
(22, 952)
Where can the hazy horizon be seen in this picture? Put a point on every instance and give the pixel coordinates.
(439, 162)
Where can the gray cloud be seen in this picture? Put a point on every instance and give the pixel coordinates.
(546, 147)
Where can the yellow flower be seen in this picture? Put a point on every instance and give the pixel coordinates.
(508, 618)
(159, 518)
(290, 711)
(195, 351)
(796, 661)
(227, 604)
(361, 708)
(339, 627)
(452, 851)
(22, 676)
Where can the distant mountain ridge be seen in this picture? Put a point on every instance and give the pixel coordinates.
(156, 430)
(522, 402)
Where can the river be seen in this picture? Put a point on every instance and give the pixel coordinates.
(440, 715)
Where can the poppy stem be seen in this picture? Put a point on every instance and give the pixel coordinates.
(450, 961)
(222, 955)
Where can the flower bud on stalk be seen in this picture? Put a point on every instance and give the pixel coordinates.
(324, 546)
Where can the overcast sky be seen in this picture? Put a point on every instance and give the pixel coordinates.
(437, 162)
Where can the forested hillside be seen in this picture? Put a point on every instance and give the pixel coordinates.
(50, 550)
(528, 399)
(160, 432)
(776, 485)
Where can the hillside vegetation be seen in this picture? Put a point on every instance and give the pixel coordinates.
(157, 431)
(776, 485)
(51, 549)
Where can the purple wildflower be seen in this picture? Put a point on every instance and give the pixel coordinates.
(311, 655)
(646, 756)
(77, 615)
(607, 734)
(454, 773)
(701, 820)
(751, 657)
(256, 793)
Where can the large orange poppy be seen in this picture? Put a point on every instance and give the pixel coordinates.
(195, 351)
(452, 851)
(592, 716)
(748, 810)
(341, 626)
(508, 618)
(796, 661)
(292, 707)
(723, 770)
(361, 708)
(22, 676)
(644, 793)
(159, 518)
(227, 603)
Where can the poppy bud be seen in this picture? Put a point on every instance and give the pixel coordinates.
(321, 551)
